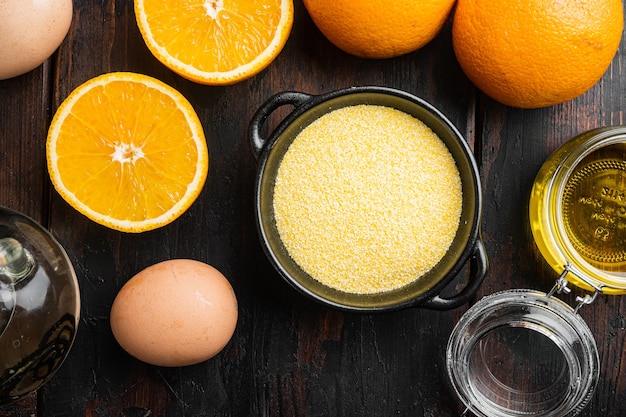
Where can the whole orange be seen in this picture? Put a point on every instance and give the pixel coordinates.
(536, 53)
(379, 29)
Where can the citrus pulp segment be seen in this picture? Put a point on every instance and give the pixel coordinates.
(215, 42)
(127, 151)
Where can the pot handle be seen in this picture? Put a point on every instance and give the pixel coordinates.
(478, 269)
(293, 98)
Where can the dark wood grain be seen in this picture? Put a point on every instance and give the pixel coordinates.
(24, 117)
(288, 356)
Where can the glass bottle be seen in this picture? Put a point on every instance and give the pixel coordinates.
(39, 305)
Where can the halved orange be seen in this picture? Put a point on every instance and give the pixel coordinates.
(127, 151)
(215, 42)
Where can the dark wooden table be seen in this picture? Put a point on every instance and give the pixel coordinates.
(288, 356)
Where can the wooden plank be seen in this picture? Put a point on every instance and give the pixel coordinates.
(24, 104)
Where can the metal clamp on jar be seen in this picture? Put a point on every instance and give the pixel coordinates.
(501, 355)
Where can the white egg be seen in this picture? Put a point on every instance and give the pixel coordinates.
(30, 32)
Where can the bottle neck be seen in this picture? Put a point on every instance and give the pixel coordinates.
(16, 262)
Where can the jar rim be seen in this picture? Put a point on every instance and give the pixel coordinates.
(539, 316)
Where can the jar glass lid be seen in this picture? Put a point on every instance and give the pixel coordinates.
(522, 353)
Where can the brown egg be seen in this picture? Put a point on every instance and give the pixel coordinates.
(30, 31)
(175, 313)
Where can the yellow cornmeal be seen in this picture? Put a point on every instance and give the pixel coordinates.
(367, 199)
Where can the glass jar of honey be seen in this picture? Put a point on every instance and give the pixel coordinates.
(525, 352)
(578, 210)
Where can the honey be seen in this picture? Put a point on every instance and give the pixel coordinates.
(578, 210)
(594, 211)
